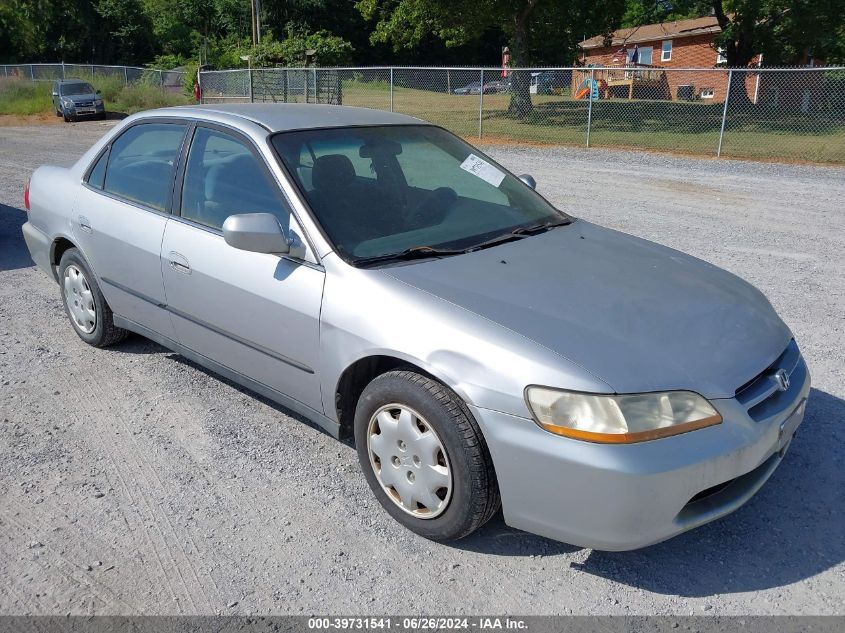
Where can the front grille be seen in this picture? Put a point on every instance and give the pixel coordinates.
(84, 104)
(762, 396)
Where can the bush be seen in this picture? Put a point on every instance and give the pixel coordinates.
(190, 78)
(140, 96)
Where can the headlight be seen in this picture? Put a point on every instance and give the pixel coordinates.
(619, 419)
(67, 102)
(98, 102)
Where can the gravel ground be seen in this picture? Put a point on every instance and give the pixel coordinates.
(132, 481)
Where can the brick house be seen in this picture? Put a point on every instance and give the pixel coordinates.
(642, 52)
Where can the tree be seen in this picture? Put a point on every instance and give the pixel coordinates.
(127, 31)
(529, 26)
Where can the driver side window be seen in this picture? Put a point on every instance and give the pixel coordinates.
(224, 177)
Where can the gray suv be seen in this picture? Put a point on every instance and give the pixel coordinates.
(74, 98)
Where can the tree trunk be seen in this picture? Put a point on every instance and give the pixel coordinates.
(739, 51)
(520, 105)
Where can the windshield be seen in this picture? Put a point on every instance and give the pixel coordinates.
(380, 191)
(77, 89)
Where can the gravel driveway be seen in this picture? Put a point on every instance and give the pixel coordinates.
(132, 481)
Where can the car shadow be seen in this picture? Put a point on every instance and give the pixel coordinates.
(175, 356)
(790, 531)
(13, 251)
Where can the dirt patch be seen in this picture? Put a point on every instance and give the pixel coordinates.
(16, 120)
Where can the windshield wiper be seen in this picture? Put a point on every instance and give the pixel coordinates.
(415, 252)
(539, 228)
(517, 233)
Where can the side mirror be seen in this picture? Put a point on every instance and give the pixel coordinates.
(255, 232)
(55, 94)
(528, 179)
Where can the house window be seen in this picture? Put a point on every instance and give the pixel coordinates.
(707, 93)
(643, 53)
(666, 52)
(721, 58)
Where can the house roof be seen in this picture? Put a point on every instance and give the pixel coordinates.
(654, 32)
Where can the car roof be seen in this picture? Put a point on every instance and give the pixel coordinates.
(280, 117)
(72, 81)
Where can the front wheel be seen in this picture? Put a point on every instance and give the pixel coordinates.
(424, 456)
(89, 314)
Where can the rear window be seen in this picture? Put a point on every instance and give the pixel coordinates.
(142, 161)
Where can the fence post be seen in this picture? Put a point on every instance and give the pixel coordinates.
(725, 113)
(316, 96)
(307, 89)
(481, 106)
(125, 77)
(199, 85)
(286, 85)
(31, 73)
(590, 104)
(249, 76)
(63, 69)
(391, 89)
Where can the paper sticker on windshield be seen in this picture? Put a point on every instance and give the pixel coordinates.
(484, 170)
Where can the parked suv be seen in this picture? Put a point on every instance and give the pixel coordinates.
(75, 98)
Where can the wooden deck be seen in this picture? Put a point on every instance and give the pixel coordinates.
(631, 76)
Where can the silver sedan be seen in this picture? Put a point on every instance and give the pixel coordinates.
(383, 278)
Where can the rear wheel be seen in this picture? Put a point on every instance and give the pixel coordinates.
(89, 314)
(424, 456)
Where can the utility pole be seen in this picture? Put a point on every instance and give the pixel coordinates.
(256, 22)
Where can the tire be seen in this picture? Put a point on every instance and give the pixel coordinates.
(401, 478)
(66, 117)
(58, 113)
(84, 304)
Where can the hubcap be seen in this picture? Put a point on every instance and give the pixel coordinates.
(409, 461)
(79, 299)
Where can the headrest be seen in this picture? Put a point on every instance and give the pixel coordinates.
(332, 170)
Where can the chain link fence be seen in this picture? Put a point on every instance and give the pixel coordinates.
(780, 114)
(170, 79)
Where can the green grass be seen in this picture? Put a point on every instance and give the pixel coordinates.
(21, 97)
(669, 126)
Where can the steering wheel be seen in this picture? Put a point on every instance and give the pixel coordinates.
(433, 208)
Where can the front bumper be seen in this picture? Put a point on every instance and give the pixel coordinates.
(623, 497)
(80, 111)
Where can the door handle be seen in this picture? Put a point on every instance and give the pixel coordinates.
(179, 263)
(85, 224)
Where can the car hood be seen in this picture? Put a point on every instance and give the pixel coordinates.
(86, 97)
(640, 316)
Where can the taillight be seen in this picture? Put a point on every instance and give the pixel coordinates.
(26, 196)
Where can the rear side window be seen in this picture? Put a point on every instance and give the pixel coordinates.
(98, 174)
(223, 177)
(142, 161)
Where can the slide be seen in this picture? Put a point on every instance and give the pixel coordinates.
(593, 87)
